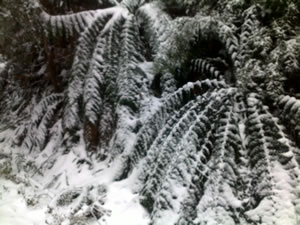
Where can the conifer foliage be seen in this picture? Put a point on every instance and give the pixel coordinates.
(201, 104)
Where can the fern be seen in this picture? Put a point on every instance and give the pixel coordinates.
(204, 67)
(177, 174)
(171, 102)
(34, 136)
(197, 108)
(156, 25)
(249, 28)
(289, 107)
(80, 68)
(269, 156)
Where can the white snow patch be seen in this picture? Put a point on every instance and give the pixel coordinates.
(124, 205)
(13, 208)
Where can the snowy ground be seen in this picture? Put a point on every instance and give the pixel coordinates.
(14, 209)
(22, 204)
(124, 206)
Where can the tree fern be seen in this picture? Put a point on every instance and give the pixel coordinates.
(199, 109)
(172, 102)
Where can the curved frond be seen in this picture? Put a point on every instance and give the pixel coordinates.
(37, 130)
(156, 25)
(271, 162)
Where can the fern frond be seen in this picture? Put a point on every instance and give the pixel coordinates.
(68, 25)
(290, 112)
(248, 29)
(94, 83)
(291, 57)
(290, 107)
(111, 55)
(199, 173)
(204, 67)
(271, 162)
(158, 119)
(220, 191)
(40, 122)
(171, 103)
(80, 68)
(156, 24)
(176, 175)
(128, 83)
(131, 43)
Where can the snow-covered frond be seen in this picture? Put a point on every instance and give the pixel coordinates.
(112, 69)
(122, 73)
(275, 78)
(248, 29)
(290, 113)
(42, 107)
(176, 159)
(132, 5)
(171, 103)
(36, 132)
(81, 66)
(205, 68)
(198, 176)
(131, 51)
(269, 156)
(107, 51)
(290, 57)
(221, 190)
(290, 107)
(78, 204)
(159, 118)
(93, 93)
(68, 25)
(94, 83)
(130, 94)
(156, 25)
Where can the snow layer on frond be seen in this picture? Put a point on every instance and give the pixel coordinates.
(290, 112)
(248, 29)
(36, 132)
(220, 188)
(94, 83)
(157, 25)
(170, 103)
(203, 67)
(84, 65)
(273, 167)
(68, 25)
(172, 176)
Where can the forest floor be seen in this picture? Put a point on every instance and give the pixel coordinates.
(25, 196)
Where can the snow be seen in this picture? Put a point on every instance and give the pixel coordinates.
(13, 208)
(28, 204)
(2, 66)
(282, 196)
(124, 206)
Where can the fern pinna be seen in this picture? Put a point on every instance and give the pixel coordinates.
(198, 108)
